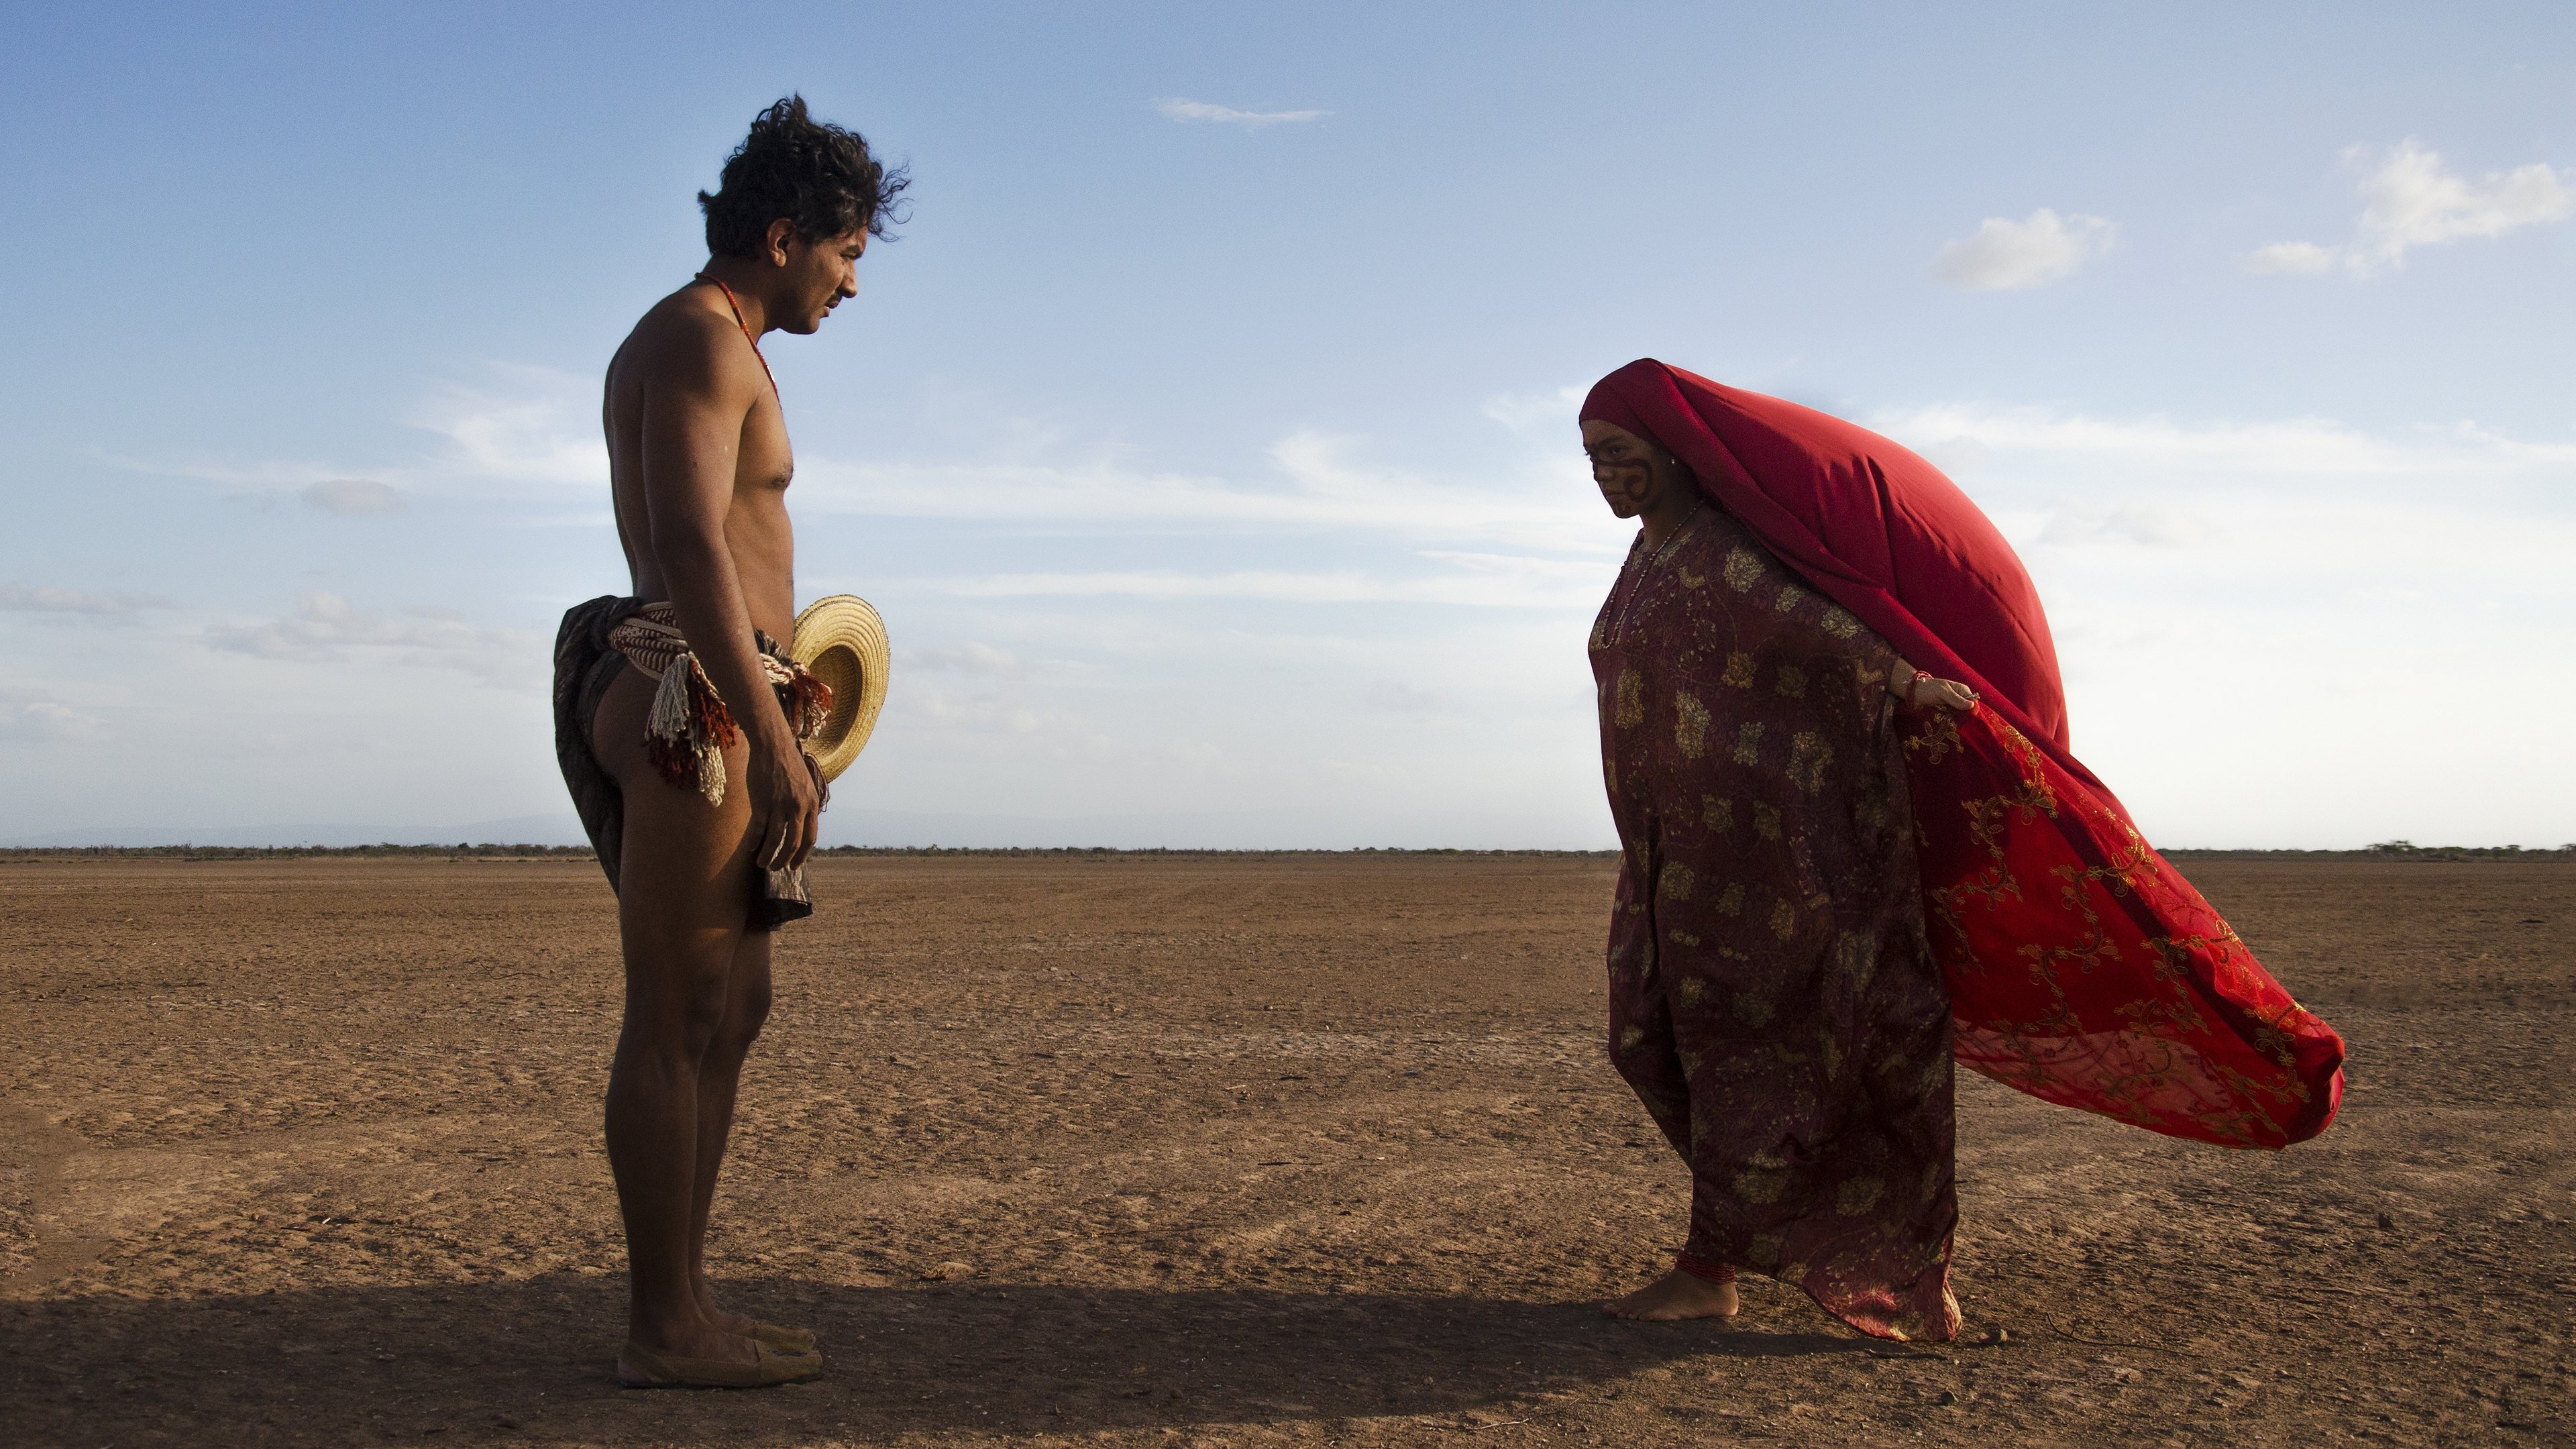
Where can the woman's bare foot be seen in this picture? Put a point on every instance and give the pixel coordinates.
(733, 1323)
(1673, 1297)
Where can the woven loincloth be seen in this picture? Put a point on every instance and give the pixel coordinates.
(686, 731)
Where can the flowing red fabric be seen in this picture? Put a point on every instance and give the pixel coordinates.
(2083, 968)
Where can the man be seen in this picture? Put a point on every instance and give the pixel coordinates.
(679, 720)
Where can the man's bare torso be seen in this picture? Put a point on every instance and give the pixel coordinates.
(688, 356)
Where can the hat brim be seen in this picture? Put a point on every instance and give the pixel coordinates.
(843, 641)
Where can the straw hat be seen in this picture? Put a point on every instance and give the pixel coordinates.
(842, 640)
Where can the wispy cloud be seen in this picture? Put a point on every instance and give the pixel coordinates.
(27, 718)
(354, 497)
(41, 599)
(1540, 414)
(514, 426)
(2138, 525)
(530, 424)
(326, 628)
(1180, 109)
(2410, 200)
(2292, 449)
(2005, 255)
(1487, 589)
(1397, 697)
(1315, 484)
(969, 657)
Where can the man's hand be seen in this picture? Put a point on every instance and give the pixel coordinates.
(786, 804)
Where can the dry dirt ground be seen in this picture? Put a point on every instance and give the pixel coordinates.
(1252, 1151)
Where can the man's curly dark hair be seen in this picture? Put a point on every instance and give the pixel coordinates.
(815, 174)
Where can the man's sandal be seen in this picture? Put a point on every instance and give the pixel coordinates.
(641, 1368)
(780, 1336)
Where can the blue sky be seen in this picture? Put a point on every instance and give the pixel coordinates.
(1217, 474)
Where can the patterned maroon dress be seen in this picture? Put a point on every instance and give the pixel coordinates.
(1773, 999)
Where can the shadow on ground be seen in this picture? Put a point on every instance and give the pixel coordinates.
(511, 1361)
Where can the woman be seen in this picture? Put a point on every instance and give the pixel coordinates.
(1839, 870)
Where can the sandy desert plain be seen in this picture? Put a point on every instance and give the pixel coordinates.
(1200, 1150)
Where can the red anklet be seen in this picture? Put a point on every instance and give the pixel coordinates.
(1704, 1270)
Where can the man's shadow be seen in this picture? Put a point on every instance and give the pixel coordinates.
(514, 1360)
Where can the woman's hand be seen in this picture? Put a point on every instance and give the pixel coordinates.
(1915, 687)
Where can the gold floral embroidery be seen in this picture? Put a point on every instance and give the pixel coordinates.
(1743, 569)
(1632, 700)
(1766, 820)
(1753, 1010)
(1731, 902)
(1689, 580)
(1690, 726)
(1935, 737)
(1739, 671)
(1784, 920)
(1690, 989)
(1793, 682)
(1856, 957)
(1715, 815)
(1675, 883)
(1748, 742)
(1808, 756)
(1760, 1185)
(1791, 596)
(1839, 622)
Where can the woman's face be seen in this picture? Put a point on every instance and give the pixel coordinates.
(1634, 475)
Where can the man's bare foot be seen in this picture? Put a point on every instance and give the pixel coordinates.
(699, 1338)
(777, 1336)
(1673, 1297)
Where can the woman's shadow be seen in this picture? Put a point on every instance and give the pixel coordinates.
(512, 1360)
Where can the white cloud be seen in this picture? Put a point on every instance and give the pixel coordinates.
(1396, 697)
(2296, 259)
(40, 599)
(45, 721)
(2143, 525)
(1542, 415)
(2041, 248)
(354, 497)
(326, 628)
(1289, 586)
(1179, 109)
(537, 424)
(2253, 614)
(965, 658)
(2304, 451)
(522, 425)
(1317, 486)
(2409, 200)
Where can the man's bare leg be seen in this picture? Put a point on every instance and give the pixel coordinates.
(1675, 1296)
(746, 1007)
(683, 897)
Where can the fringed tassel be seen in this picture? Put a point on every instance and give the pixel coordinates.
(808, 701)
(689, 729)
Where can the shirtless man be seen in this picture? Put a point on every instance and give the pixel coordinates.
(705, 836)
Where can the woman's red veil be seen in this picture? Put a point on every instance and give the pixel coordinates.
(2083, 968)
